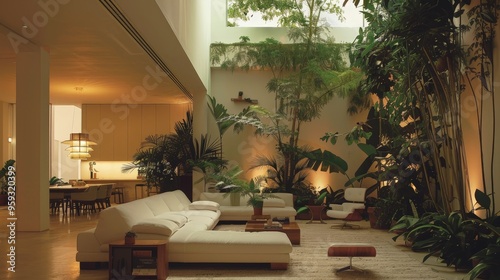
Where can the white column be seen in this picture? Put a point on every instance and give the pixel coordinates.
(32, 153)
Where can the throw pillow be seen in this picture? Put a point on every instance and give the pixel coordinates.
(175, 217)
(204, 205)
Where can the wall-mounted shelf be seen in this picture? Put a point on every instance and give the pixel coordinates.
(245, 100)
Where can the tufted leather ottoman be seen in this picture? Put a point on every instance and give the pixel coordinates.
(351, 250)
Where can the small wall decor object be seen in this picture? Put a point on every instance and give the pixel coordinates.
(246, 100)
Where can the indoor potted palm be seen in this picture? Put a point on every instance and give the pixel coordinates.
(307, 73)
(227, 180)
(7, 171)
(167, 160)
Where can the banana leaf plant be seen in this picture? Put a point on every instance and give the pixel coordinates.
(316, 198)
(163, 158)
(8, 170)
(450, 237)
(488, 258)
(306, 74)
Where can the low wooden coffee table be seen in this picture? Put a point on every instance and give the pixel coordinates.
(291, 229)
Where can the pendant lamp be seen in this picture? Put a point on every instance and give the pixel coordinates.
(79, 146)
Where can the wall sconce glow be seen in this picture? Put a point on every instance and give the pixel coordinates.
(79, 146)
(9, 139)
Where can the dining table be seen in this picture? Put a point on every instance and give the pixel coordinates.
(68, 188)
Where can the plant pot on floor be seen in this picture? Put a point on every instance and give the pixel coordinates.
(374, 215)
(3, 199)
(257, 208)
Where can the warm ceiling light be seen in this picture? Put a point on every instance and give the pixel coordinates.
(79, 146)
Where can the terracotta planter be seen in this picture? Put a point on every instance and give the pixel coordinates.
(371, 216)
(258, 207)
(3, 199)
(374, 216)
(257, 211)
(129, 240)
(186, 185)
(316, 211)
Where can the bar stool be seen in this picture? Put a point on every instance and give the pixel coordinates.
(141, 186)
(117, 193)
(153, 190)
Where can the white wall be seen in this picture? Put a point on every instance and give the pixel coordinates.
(242, 148)
(190, 22)
(65, 120)
(7, 119)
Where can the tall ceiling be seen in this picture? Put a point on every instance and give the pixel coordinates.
(97, 52)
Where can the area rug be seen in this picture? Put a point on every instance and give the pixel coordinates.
(309, 260)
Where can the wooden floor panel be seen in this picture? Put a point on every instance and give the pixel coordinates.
(48, 254)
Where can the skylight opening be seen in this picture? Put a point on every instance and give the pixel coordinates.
(352, 18)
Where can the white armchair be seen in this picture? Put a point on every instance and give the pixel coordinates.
(351, 209)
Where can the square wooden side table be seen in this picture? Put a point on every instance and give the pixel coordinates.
(146, 259)
(291, 229)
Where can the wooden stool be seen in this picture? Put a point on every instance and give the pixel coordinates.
(351, 250)
(117, 193)
(141, 187)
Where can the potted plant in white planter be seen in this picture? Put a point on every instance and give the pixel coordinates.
(227, 180)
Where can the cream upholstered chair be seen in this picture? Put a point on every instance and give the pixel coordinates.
(103, 194)
(84, 201)
(351, 209)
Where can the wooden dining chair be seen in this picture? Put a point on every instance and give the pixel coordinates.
(84, 201)
(103, 192)
(56, 202)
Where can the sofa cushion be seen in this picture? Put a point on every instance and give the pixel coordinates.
(204, 205)
(175, 200)
(156, 204)
(175, 217)
(156, 226)
(115, 221)
(229, 242)
(274, 202)
(220, 198)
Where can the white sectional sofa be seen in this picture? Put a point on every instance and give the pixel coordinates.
(280, 205)
(188, 227)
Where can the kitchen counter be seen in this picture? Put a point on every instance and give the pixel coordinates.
(99, 180)
(128, 186)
